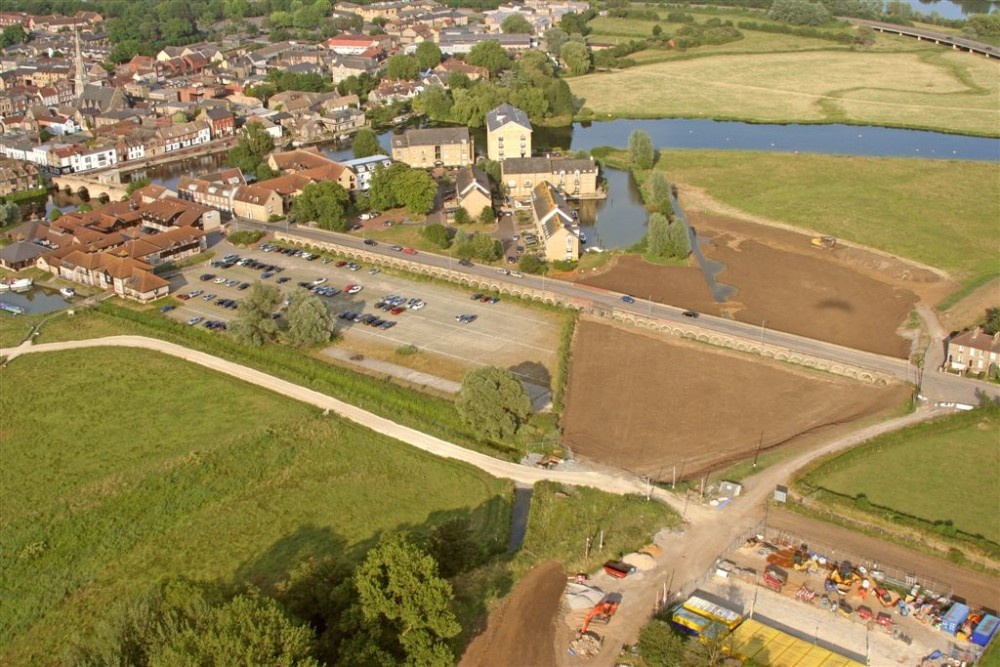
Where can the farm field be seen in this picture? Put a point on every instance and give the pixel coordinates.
(645, 403)
(179, 472)
(944, 90)
(897, 205)
(950, 466)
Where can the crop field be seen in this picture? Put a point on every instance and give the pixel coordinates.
(945, 470)
(941, 213)
(122, 467)
(943, 90)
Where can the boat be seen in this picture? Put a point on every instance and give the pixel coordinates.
(16, 284)
(67, 291)
(583, 237)
(11, 308)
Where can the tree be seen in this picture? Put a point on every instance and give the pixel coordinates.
(640, 150)
(493, 402)
(489, 54)
(462, 216)
(10, 214)
(137, 184)
(253, 324)
(657, 30)
(991, 324)
(658, 187)
(657, 236)
(309, 322)
(677, 243)
(798, 12)
(530, 264)
(402, 66)
(416, 190)
(576, 56)
(325, 202)
(516, 24)
(381, 195)
(437, 234)
(428, 55)
(366, 143)
(554, 40)
(486, 248)
(405, 604)
(574, 23)
(487, 216)
(252, 149)
(660, 646)
(13, 34)
(458, 80)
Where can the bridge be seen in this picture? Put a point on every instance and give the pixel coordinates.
(955, 42)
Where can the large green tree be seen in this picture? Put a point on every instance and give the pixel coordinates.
(657, 236)
(491, 55)
(516, 24)
(325, 203)
(405, 606)
(309, 321)
(10, 214)
(799, 12)
(365, 143)
(416, 190)
(253, 324)
(251, 151)
(493, 402)
(428, 55)
(640, 150)
(576, 56)
(658, 187)
(401, 66)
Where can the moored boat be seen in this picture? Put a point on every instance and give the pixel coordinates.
(11, 308)
(16, 284)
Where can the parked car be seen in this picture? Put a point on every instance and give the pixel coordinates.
(465, 319)
(409, 251)
(504, 272)
(208, 297)
(207, 276)
(319, 281)
(195, 320)
(396, 248)
(281, 281)
(219, 281)
(353, 289)
(465, 262)
(166, 309)
(243, 286)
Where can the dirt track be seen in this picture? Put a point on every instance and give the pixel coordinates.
(645, 403)
(522, 631)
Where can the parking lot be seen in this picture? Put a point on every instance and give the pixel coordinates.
(504, 333)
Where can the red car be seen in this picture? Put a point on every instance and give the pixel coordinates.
(409, 251)
(397, 310)
(183, 297)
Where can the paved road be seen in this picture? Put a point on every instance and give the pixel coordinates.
(935, 386)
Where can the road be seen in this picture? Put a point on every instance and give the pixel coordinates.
(937, 387)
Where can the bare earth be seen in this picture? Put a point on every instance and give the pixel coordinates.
(645, 403)
(522, 630)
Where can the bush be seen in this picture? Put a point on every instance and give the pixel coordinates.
(531, 264)
(245, 238)
(437, 234)
(565, 264)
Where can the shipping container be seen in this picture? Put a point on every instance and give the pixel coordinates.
(953, 619)
(985, 630)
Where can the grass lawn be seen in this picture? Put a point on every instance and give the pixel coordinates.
(113, 479)
(562, 518)
(939, 90)
(15, 328)
(945, 470)
(937, 212)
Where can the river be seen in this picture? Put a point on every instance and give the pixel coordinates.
(952, 9)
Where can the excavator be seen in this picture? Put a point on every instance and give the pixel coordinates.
(602, 611)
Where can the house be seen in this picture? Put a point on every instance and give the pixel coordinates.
(474, 72)
(472, 190)
(508, 133)
(343, 67)
(575, 178)
(214, 189)
(389, 91)
(257, 202)
(365, 168)
(555, 225)
(221, 122)
(184, 135)
(973, 352)
(445, 146)
(351, 45)
(17, 176)
(455, 43)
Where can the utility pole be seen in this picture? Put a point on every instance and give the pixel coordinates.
(763, 328)
(757, 453)
(673, 481)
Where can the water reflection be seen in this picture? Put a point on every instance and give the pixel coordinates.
(36, 301)
(618, 221)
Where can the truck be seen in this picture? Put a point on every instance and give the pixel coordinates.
(618, 569)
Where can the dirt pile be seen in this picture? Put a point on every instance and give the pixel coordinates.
(521, 630)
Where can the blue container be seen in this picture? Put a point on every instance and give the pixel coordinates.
(954, 618)
(985, 630)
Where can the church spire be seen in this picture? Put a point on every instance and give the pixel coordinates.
(79, 82)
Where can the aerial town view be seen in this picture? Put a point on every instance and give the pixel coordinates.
(514, 333)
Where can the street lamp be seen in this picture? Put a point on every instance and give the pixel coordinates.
(763, 328)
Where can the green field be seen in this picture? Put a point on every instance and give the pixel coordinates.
(945, 470)
(121, 467)
(941, 213)
(935, 89)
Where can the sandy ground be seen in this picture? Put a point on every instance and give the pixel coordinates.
(646, 403)
(521, 631)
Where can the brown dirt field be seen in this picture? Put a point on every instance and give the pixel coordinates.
(977, 588)
(850, 296)
(522, 631)
(645, 403)
(970, 310)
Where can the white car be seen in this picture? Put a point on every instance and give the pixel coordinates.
(319, 281)
(516, 274)
(219, 281)
(353, 289)
(417, 305)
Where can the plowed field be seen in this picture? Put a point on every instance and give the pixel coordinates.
(646, 403)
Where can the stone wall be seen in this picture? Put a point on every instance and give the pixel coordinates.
(511, 287)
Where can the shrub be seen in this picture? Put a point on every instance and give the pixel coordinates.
(245, 238)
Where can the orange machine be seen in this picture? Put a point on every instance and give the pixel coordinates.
(602, 611)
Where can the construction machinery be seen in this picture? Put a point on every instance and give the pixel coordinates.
(602, 611)
(824, 242)
(775, 578)
(843, 577)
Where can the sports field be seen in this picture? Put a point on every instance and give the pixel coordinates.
(121, 467)
(940, 90)
(945, 470)
(941, 213)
